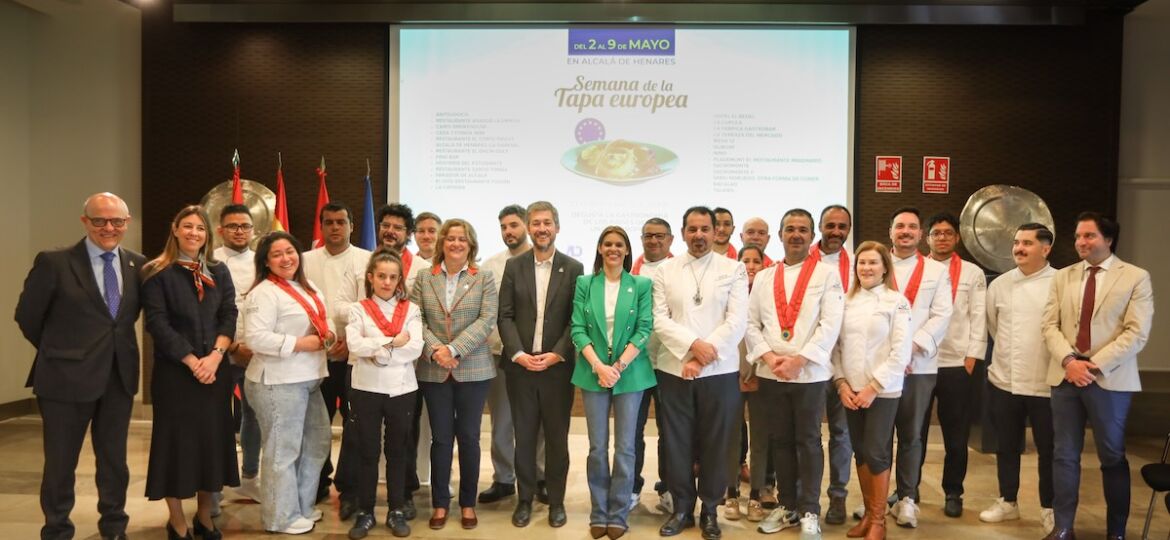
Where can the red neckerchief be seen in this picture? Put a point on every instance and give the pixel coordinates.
(317, 318)
(956, 271)
(768, 262)
(637, 270)
(786, 311)
(197, 274)
(407, 260)
(814, 255)
(731, 253)
(915, 280)
(390, 328)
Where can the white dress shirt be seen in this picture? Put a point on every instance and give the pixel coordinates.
(275, 322)
(368, 343)
(342, 280)
(967, 331)
(932, 310)
(875, 341)
(543, 271)
(720, 319)
(242, 265)
(1015, 312)
(817, 324)
(1099, 278)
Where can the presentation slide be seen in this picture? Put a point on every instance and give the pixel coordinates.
(618, 125)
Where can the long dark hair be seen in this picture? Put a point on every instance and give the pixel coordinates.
(381, 256)
(261, 259)
(599, 262)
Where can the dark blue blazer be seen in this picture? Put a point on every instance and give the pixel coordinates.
(179, 323)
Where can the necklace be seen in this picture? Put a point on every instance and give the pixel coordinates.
(698, 297)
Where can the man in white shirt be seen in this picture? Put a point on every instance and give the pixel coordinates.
(426, 233)
(724, 228)
(335, 265)
(964, 345)
(236, 231)
(1018, 370)
(656, 241)
(794, 317)
(700, 316)
(756, 232)
(835, 224)
(926, 285)
(514, 233)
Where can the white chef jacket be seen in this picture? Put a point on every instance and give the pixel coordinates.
(720, 319)
(967, 331)
(875, 341)
(817, 324)
(932, 309)
(334, 273)
(242, 265)
(1015, 313)
(275, 321)
(367, 342)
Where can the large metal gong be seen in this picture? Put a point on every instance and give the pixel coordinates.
(990, 218)
(260, 200)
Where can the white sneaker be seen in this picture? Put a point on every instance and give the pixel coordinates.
(810, 527)
(1001, 510)
(635, 498)
(907, 514)
(299, 526)
(859, 512)
(779, 519)
(316, 515)
(1047, 520)
(249, 488)
(665, 503)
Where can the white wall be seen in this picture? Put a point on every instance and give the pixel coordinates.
(1144, 169)
(70, 125)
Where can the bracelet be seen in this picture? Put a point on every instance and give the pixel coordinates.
(222, 351)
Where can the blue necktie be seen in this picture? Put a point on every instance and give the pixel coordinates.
(110, 281)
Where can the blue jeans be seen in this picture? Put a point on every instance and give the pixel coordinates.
(249, 430)
(1107, 412)
(609, 491)
(294, 433)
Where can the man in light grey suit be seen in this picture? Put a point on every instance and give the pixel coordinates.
(536, 305)
(1096, 321)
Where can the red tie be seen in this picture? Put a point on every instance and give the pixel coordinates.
(1084, 333)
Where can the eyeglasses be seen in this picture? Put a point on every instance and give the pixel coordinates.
(654, 236)
(237, 227)
(394, 227)
(945, 233)
(101, 222)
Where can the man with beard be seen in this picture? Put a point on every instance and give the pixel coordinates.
(793, 322)
(964, 345)
(515, 236)
(700, 315)
(536, 306)
(331, 268)
(235, 231)
(755, 232)
(724, 228)
(426, 233)
(836, 223)
(926, 284)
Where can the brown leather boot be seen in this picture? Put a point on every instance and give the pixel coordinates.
(879, 485)
(864, 478)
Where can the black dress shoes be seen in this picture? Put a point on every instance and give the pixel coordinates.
(676, 524)
(1061, 534)
(522, 515)
(709, 525)
(542, 492)
(497, 491)
(348, 507)
(362, 525)
(557, 516)
(174, 535)
(954, 506)
(207, 534)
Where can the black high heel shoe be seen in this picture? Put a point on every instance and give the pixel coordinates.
(207, 534)
(172, 535)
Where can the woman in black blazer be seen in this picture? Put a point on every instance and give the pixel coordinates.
(191, 313)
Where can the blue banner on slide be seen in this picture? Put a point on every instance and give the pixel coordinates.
(621, 41)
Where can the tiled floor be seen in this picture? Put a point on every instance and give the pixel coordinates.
(20, 516)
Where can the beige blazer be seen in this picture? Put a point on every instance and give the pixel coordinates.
(1120, 324)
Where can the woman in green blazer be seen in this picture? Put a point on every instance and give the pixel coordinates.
(612, 319)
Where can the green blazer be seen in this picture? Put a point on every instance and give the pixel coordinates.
(633, 321)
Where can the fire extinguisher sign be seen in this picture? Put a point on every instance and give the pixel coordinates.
(936, 174)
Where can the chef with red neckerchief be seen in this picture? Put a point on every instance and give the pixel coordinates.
(926, 284)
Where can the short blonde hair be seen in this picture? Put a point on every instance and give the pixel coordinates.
(472, 242)
(887, 262)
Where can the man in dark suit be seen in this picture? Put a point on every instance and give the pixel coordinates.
(536, 305)
(78, 309)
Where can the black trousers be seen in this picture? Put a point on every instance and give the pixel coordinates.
(541, 400)
(952, 391)
(640, 440)
(377, 420)
(690, 407)
(454, 409)
(795, 419)
(871, 433)
(65, 423)
(1008, 413)
(333, 390)
(412, 480)
(347, 477)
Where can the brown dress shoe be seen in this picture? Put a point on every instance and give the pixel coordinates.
(468, 522)
(614, 532)
(438, 519)
(596, 531)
